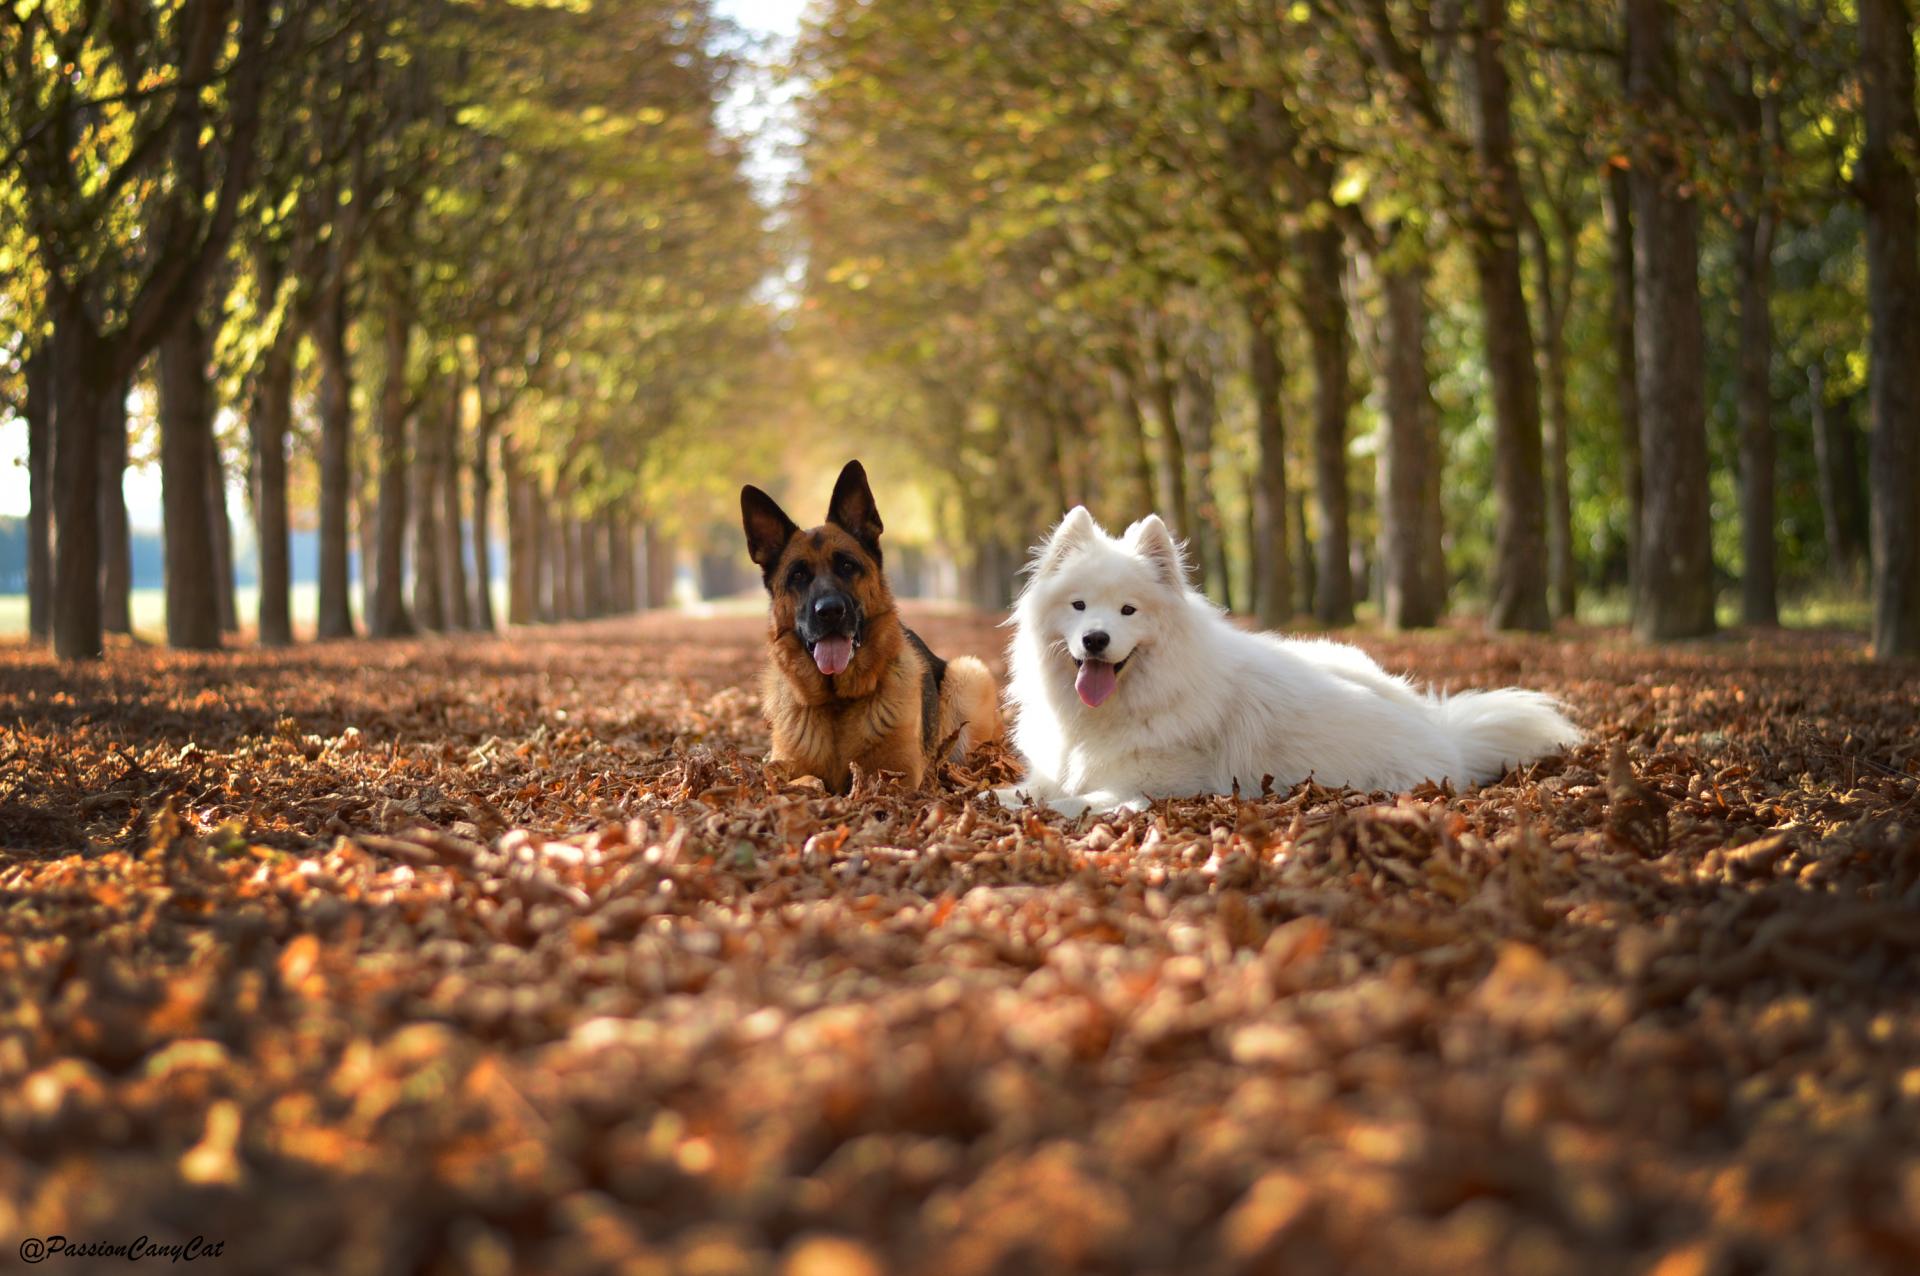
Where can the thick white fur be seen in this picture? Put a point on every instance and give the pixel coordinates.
(1202, 703)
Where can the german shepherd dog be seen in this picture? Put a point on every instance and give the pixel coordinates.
(846, 682)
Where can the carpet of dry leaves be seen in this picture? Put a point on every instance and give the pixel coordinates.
(510, 956)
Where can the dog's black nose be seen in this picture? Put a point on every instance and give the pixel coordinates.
(830, 611)
(1095, 641)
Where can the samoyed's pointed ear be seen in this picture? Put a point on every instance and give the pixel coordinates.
(1070, 533)
(1152, 541)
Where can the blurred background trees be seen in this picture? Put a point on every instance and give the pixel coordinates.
(1408, 301)
(386, 261)
(1602, 309)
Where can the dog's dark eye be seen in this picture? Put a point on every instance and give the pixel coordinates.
(846, 565)
(800, 577)
(1078, 605)
(1128, 610)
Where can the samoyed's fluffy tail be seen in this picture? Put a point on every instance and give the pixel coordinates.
(1497, 729)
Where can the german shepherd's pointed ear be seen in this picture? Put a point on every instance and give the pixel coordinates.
(768, 529)
(852, 508)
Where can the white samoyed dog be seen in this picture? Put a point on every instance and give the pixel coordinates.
(1129, 685)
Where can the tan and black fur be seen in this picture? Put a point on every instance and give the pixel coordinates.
(894, 702)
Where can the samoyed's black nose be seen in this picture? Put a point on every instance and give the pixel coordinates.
(1095, 641)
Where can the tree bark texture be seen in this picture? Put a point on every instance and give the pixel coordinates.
(1412, 555)
(453, 565)
(483, 436)
(1888, 189)
(272, 419)
(221, 535)
(1618, 195)
(388, 617)
(116, 536)
(336, 464)
(1759, 600)
(186, 460)
(80, 382)
(39, 413)
(1272, 571)
(1670, 348)
(429, 581)
(1324, 314)
(1518, 589)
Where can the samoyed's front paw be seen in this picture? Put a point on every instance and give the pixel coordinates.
(1116, 803)
(1012, 797)
(1070, 806)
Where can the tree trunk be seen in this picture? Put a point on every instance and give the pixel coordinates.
(1626, 390)
(1412, 558)
(599, 563)
(659, 567)
(221, 533)
(1888, 190)
(1272, 566)
(80, 383)
(1134, 454)
(186, 461)
(1173, 453)
(624, 587)
(1199, 411)
(388, 616)
(1324, 314)
(1759, 603)
(452, 523)
(1304, 565)
(1554, 296)
(1677, 566)
(522, 544)
(560, 560)
(1519, 585)
(336, 464)
(116, 537)
(1837, 458)
(482, 615)
(272, 419)
(366, 530)
(39, 413)
(573, 532)
(429, 598)
(549, 592)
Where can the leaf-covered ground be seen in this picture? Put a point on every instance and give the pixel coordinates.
(509, 956)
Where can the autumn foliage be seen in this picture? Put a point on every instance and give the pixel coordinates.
(486, 956)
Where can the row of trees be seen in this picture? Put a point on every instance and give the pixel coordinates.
(421, 259)
(1399, 294)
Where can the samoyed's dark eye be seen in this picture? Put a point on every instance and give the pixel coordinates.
(1128, 610)
(1078, 605)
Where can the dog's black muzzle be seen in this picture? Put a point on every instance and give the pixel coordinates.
(829, 612)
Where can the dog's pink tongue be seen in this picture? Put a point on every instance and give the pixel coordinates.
(833, 655)
(1095, 682)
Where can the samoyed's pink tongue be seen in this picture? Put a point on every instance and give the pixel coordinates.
(833, 655)
(1095, 682)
